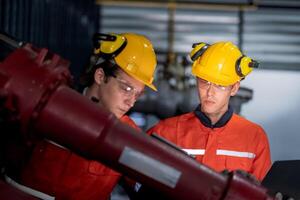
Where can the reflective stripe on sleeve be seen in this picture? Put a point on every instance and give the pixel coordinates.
(235, 153)
(222, 152)
(194, 152)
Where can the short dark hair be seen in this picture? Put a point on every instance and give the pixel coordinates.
(109, 67)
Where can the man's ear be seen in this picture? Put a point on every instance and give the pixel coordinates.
(235, 88)
(99, 76)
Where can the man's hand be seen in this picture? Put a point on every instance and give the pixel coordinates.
(248, 176)
(245, 174)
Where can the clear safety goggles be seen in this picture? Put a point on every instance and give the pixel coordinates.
(204, 84)
(127, 89)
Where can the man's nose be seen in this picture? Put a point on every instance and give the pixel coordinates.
(210, 89)
(130, 100)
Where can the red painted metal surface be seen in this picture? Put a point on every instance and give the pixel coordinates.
(11, 193)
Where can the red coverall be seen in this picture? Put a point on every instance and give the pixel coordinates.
(236, 144)
(58, 172)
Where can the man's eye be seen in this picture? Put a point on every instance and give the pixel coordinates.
(205, 82)
(126, 87)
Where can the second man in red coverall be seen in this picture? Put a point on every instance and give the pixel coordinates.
(213, 134)
(123, 65)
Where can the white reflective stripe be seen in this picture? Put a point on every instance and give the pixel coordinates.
(28, 190)
(194, 151)
(236, 153)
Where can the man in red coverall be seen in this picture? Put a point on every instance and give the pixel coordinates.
(123, 64)
(213, 134)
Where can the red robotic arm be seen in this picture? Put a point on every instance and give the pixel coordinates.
(34, 91)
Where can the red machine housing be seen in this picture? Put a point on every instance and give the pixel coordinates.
(34, 88)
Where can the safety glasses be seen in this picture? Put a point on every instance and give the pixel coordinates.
(127, 89)
(204, 84)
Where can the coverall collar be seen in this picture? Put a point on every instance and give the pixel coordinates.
(206, 121)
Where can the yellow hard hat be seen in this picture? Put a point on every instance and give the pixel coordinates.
(221, 63)
(133, 53)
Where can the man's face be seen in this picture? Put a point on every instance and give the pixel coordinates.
(215, 98)
(118, 94)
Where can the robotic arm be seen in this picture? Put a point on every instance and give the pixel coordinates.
(35, 94)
